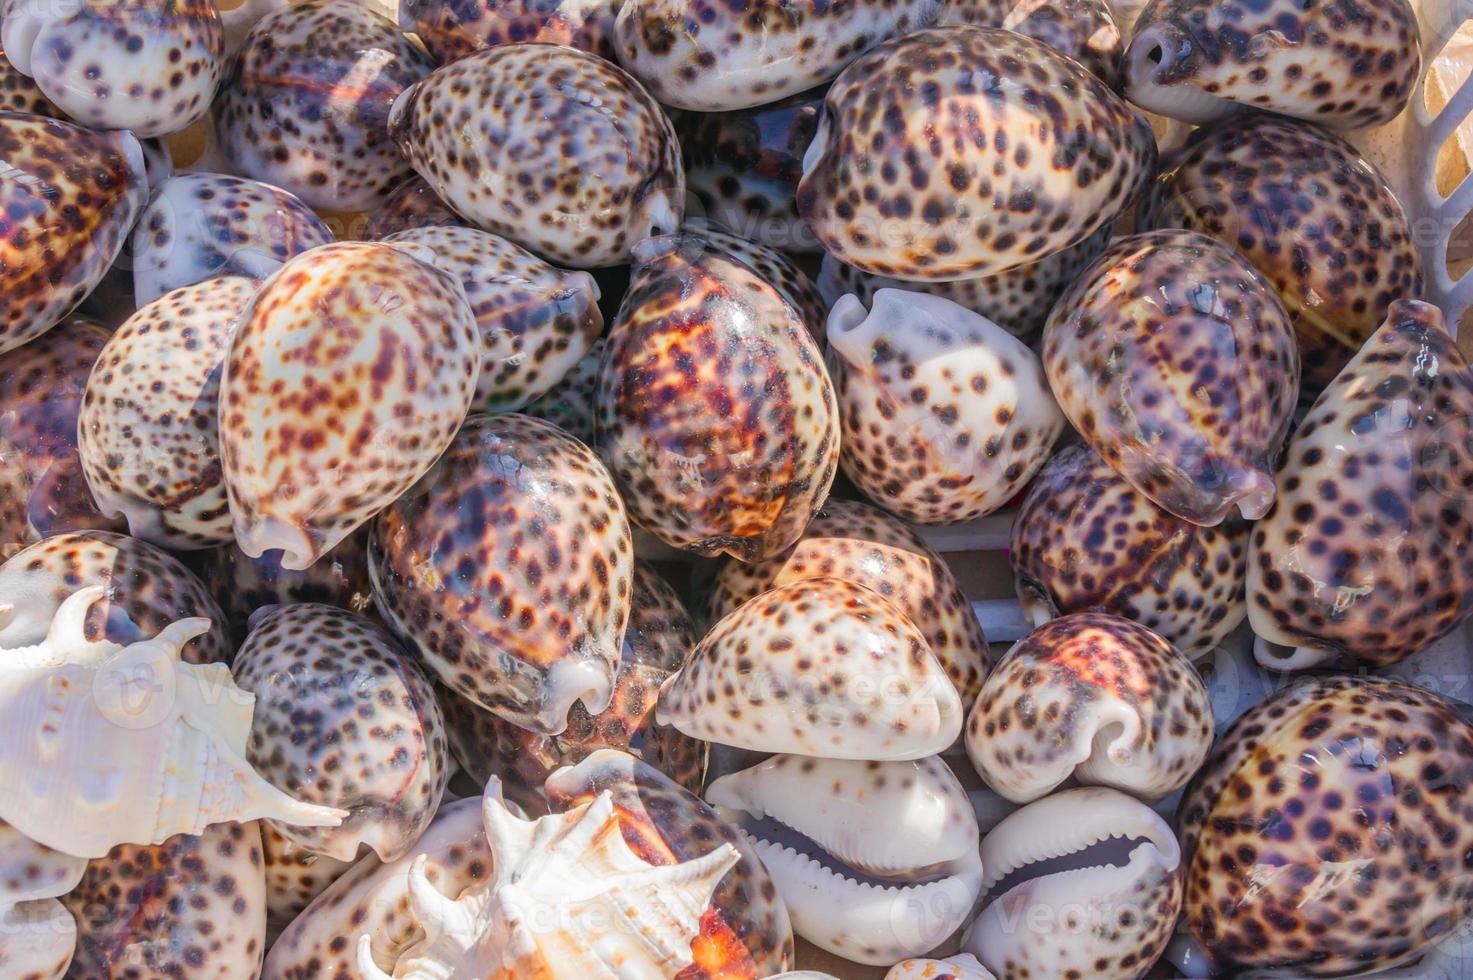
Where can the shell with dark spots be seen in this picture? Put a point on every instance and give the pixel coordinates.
(1176, 361)
(962, 152)
(452, 29)
(569, 403)
(69, 197)
(1367, 556)
(20, 93)
(1085, 30)
(308, 454)
(549, 146)
(411, 204)
(200, 226)
(1085, 540)
(776, 269)
(294, 877)
(510, 568)
(714, 411)
(1311, 213)
(746, 934)
(861, 544)
(147, 589)
(1328, 834)
(305, 104)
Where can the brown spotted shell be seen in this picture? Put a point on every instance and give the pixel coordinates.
(549, 146)
(714, 411)
(1085, 540)
(20, 93)
(774, 268)
(147, 433)
(310, 453)
(510, 569)
(1095, 697)
(1175, 360)
(1311, 213)
(1340, 63)
(190, 907)
(746, 933)
(147, 589)
(411, 204)
(452, 29)
(1367, 556)
(569, 403)
(1085, 30)
(861, 544)
(657, 643)
(305, 104)
(1328, 834)
(966, 151)
(69, 197)
(294, 877)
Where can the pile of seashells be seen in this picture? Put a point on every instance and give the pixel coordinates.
(477, 519)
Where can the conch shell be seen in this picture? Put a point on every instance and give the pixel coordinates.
(111, 744)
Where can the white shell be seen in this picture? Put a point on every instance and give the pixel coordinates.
(963, 966)
(108, 744)
(37, 934)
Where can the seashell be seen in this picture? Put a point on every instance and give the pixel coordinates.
(1095, 697)
(745, 933)
(1338, 262)
(41, 486)
(128, 744)
(146, 433)
(309, 458)
(1017, 300)
(452, 29)
(294, 877)
(963, 966)
(150, 67)
(535, 320)
(1085, 540)
(866, 546)
(1085, 30)
(1093, 885)
(147, 590)
(200, 226)
(821, 667)
(714, 412)
(70, 196)
(885, 862)
(946, 415)
(509, 567)
(305, 104)
(774, 268)
(194, 906)
(1067, 170)
(734, 56)
(343, 719)
(743, 166)
(657, 643)
(38, 940)
(1176, 362)
(20, 93)
(569, 403)
(1327, 834)
(1340, 64)
(1366, 557)
(594, 167)
(411, 204)
(617, 914)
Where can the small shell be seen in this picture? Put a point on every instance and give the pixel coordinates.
(309, 454)
(305, 104)
(1368, 555)
(569, 403)
(199, 226)
(946, 415)
(1340, 63)
(1338, 261)
(1085, 30)
(714, 411)
(733, 56)
(452, 29)
(69, 196)
(1328, 835)
(411, 204)
(963, 966)
(147, 589)
(294, 877)
(819, 667)
(120, 64)
(1085, 540)
(1176, 362)
(1015, 169)
(535, 320)
(868, 547)
(344, 718)
(509, 567)
(594, 166)
(1096, 697)
(147, 429)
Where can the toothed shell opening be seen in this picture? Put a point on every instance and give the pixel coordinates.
(1149, 55)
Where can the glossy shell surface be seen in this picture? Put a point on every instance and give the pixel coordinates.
(243, 584)
(569, 403)
(411, 204)
(1085, 30)
(452, 29)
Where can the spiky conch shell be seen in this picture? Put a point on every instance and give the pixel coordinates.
(568, 900)
(111, 744)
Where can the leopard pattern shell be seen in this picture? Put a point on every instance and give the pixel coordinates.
(1085, 30)
(411, 204)
(452, 29)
